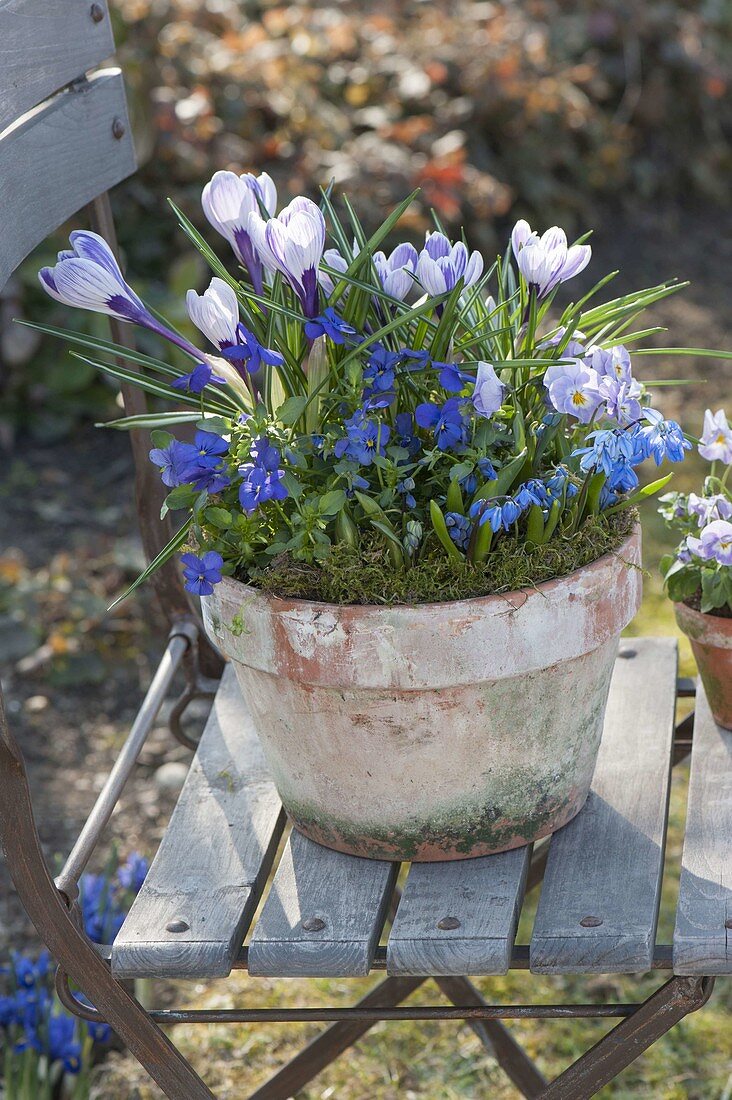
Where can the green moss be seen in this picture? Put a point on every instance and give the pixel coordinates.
(365, 575)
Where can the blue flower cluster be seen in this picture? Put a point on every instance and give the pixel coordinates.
(199, 464)
(29, 1015)
(263, 478)
(616, 452)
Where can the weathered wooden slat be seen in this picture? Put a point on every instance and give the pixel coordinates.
(703, 933)
(323, 915)
(58, 158)
(44, 46)
(214, 858)
(598, 907)
(459, 917)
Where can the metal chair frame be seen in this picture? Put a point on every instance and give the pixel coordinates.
(53, 906)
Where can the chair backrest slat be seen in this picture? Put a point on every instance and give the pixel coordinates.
(58, 158)
(44, 45)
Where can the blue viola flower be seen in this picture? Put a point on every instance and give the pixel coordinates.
(414, 358)
(365, 438)
(265, 455)
(447, 422)
(380, 370)
(328, 323)
(662, 439)
(259, 486)
(196, 381)
(201, 574)
(404, 433)
(452, 378)
(175, 462)
(458, 528)
(487, 469)
(247, 353)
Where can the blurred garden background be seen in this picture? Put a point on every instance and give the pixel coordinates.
(611, 116)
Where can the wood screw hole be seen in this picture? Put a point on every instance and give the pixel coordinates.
(448, 923)
(177, 925)
(728, 923)
(97, 13)
(118, 129)
(591, 922)
(627, 653)
(313, 924)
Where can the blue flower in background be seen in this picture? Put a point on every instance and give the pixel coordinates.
(404, 433)
(328, 323)
(447, 422)
(28, 973)
(133, 872)
(62, 1043)
(201, 574)
(458, 528)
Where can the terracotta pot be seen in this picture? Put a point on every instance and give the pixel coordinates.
(711, 643)
(437, 731)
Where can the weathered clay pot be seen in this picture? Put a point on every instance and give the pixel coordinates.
(711, 643)
(438, 731)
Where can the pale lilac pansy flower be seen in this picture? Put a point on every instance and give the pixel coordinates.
(574, 348)
(396, 271)
(716, 440)
(714, 543)
(88, 276)
(293, 244)
(622, 399)
(227, 201)
(573, 388)
(707, 509)
(546, 261)
(488, 392)
(441, 265)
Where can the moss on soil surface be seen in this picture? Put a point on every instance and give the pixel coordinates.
(365, 576)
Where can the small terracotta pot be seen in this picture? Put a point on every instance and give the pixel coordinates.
(437, 731)
(711, 642)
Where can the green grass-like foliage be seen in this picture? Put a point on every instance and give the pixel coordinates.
(365, 575)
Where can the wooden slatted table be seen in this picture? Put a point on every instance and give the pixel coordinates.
(325, 914)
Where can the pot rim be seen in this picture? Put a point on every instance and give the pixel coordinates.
(712, 630)
(296, 602)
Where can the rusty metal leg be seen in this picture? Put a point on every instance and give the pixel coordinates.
(511, 1057)
(47, 909)
(621, 1046)
(327, 1046)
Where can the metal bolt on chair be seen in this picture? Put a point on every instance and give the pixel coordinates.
(64, 141)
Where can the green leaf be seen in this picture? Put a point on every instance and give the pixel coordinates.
(331, 502)
(219, 517)
(641, 494)
(508, 474)
(454, 498)
(535, 525)
(180, 497)
(161, 439)
(151, 420)
(438, 522)
(291, 410)
(167, 552)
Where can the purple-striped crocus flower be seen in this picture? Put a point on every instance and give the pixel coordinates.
(215, 313)
(293, 243)
(88, 276)
(441, 264)
(547, 261)
(227, 202)
(396, 271)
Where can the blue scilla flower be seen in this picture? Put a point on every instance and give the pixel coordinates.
(328, 323)
(405, 488)
(458, 528)
(607, 449)
(201, 574)
(558, 483)
(530, 493)
(622, 478)
(365, 438)
(661, 439)
(447, 422)
(499, 514)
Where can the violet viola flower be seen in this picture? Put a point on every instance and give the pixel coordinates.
(227, 202)
(547, 261)
(88, 277)
(397, 271)
(201, 574)
(716, 440)
(710, 508)
(714, 543)
(575, 349)
(365, 438)
(488, 392)
(441, 265)
(293, 243)
(330, 324)
(574, 388)
(447, 422)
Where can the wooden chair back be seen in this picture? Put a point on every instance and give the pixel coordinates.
(65, 140)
